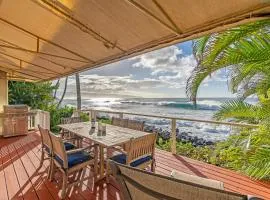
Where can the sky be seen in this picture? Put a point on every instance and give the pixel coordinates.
(159, 74)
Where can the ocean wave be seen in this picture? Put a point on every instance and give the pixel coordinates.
(201, 105)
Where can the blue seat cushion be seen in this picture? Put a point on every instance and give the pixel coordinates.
(75, 158)
(121, 158)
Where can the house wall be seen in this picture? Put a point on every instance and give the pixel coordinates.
(3, 94)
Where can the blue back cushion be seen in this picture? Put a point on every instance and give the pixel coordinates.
(69, 146)
(121, 158)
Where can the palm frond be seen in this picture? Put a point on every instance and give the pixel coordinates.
(237, 109)
(246, 47)
(259, 166)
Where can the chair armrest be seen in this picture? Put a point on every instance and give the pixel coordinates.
(69, 139)
(81, 149)
(119, 150)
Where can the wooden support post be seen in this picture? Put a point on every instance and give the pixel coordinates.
(3, 95)
(173, 138)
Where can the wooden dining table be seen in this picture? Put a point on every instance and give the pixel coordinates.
(115, 136)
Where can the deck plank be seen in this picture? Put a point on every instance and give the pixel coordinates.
(3, 185)
(35, 177)
(13, 188)
(23, 179)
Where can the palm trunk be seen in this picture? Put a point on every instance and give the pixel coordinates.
(78, 90)
(64, 92)
(56, 88)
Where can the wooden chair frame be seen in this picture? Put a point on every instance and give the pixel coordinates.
(59, 150)
(46, 142)
(135, 125)
(139, 148)
(67, 134)
(119, 122)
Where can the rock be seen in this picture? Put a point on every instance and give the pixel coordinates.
(209, 143)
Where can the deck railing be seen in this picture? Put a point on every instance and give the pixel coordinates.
(41, 118)
(93, 115)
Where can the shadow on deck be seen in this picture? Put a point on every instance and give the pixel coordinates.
(20, 177)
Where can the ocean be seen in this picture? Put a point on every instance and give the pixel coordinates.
(176, 107)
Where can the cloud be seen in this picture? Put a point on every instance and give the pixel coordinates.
(169, 65)
(112, 85)
(169, 59)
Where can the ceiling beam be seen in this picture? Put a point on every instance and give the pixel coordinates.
(16, 47)
(18, 78)
(56, 63)
(19, 70)
(167, 16)
(43, 58)
(11, 72)
(144, 10)
(45, 40)
(21, 60)
(25, 69)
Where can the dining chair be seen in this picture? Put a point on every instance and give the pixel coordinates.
(67, 134)
(140, 184)
(46, 148)
(135, 125)
(141, 154)
(71, 161)
(119, 122)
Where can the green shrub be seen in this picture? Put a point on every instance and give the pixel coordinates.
(105, 120)
(56, 114)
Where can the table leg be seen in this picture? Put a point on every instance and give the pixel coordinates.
(101, 170)
(101, 164)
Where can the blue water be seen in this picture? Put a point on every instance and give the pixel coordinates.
(176, 107)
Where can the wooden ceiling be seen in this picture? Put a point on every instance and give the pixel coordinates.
(47, 39)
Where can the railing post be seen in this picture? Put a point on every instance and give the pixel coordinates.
(93, 115)
(173, 138)
(121, 115)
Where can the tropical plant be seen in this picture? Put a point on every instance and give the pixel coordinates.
(245, 51)
(35, 95)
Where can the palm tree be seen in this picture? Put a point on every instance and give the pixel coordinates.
(64, 93)
(245, 51)
(56, 88)
(78, 91)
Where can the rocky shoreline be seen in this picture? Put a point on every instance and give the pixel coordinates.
(184, 137)
(165, 134)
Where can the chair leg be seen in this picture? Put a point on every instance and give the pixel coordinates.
(50, 175)
(95, 163)
(107, 173)
(153, 166)
(41, 160)
(64, 186)
(52, 170)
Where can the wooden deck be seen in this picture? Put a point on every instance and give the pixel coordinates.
(21, 179)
